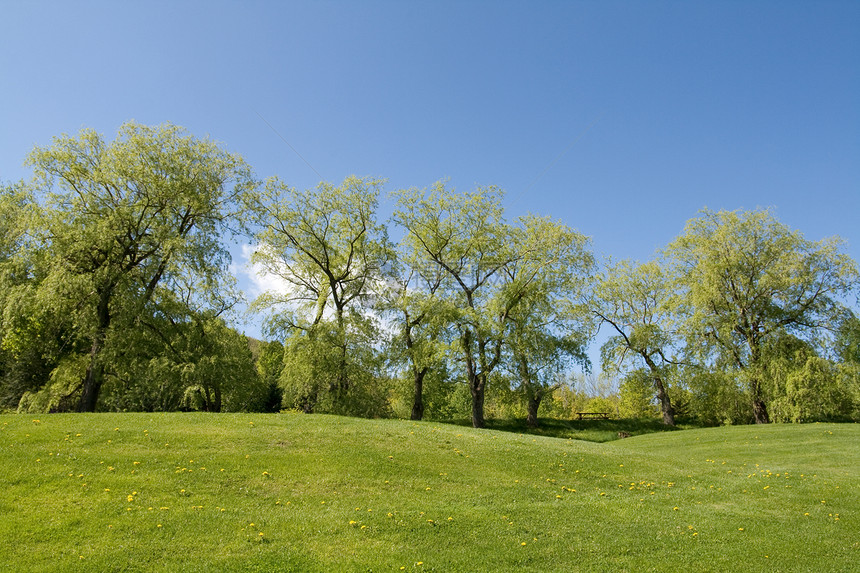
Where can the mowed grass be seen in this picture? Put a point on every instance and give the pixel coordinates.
(291, 492)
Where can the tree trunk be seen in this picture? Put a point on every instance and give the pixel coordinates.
(96, 370)
(759, 407)
(418, 400)
(477, 382)
(666, 407)
(532, 407)
(477, 388)
(760, 411)
(216, 407)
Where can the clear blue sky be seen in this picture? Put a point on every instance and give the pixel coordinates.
(622, 119)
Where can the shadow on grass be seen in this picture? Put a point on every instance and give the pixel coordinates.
(588, 430)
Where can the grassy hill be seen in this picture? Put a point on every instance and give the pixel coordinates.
(290, 492)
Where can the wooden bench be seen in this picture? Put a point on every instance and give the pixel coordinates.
(593, 415)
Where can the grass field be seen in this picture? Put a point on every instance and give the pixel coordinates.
(290, 492)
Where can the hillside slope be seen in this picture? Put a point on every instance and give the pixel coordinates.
(203, 492)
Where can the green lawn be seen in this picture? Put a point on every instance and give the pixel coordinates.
(290, 492)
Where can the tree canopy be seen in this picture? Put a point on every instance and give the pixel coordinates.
(116, 293)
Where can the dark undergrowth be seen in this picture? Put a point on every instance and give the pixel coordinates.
(588, 430)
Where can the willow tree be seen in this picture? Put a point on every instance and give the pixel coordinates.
(636, 302)
(418, 316)
(749, 278)
(549, 326)
(124, 218)
(329, 251)
(465, 238)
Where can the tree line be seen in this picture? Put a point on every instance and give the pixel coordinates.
(116, 294)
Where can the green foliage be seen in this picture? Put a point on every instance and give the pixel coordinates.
(63, 387)
(718, 398)
(330, 370)
(636, 396)
(270, 364)
(326, 245)
(638, 302)
(748, 278)
(120, 227)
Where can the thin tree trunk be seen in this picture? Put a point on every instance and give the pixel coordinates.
(477, 382)
(216, 407)
(759, 407)
(96, 370)
(418, 399)
(477, 389)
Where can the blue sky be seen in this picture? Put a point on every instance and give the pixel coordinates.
(622, 119)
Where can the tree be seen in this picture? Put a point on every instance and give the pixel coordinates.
(749, 278)
(464, 237)
(635, 301)
(123, 219)
(549, 326)
(495, 278)
(419, 321)
(326, 245)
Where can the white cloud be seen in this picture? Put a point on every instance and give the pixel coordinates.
(256, 279)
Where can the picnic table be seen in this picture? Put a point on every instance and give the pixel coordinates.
(593, 415)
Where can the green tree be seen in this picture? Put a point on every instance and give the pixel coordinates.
(465, 238)
(418, 339)
(326, 245)
(549, 325)
(126, 218)
(635, 300)
(749, 278)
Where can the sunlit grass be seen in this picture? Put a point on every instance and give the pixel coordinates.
(191, 492)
